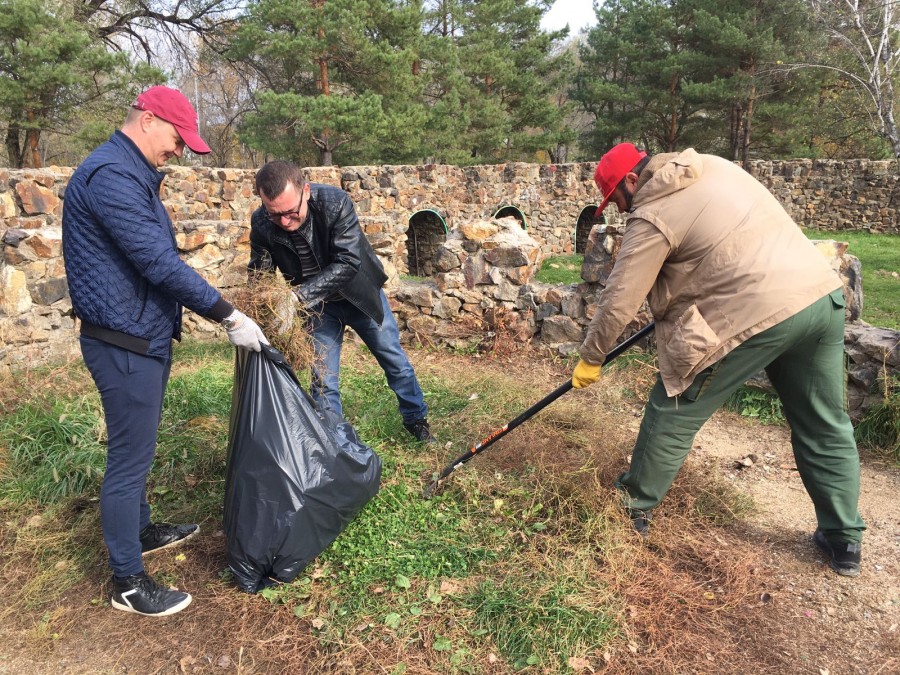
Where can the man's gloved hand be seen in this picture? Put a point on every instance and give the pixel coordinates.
(585, 374)
(286, 311)
(243, 332)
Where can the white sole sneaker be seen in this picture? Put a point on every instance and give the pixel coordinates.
(125, 606)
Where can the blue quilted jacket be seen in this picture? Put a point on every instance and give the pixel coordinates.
(126, 279)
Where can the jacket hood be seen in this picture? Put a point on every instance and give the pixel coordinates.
(666, 174)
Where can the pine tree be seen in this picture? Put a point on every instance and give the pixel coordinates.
(334, 76)
(50, 68)
(509, 63)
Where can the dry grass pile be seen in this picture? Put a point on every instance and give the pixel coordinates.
(690, 599)
(499, 332)
(267, 299)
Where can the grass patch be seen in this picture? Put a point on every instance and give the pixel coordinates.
(542, 618)
(757, 404)
(522, 561)
(402, 535)
(561, 269)
(879, 429)
(53, 453)
(879, 255)
(57, 450)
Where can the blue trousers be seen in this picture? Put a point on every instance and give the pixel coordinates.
(131, 388)
(382, 340)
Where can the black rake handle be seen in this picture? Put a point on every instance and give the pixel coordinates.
(480, 447)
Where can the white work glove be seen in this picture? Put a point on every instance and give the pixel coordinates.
(243, 332)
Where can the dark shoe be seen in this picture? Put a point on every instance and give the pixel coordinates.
(420, 431)
(844, 556)
(141, 595)
(157, 536)
(641, 521)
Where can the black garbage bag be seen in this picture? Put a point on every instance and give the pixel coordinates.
(296, 474)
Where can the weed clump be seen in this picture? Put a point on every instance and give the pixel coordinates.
(267, 299)
(756, 403)
(879, 428)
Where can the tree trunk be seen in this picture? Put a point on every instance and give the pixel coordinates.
(888, 122)
(736, 117)
(13, 149)
(559, 154)
(672, 140)
(32, 137)
(748, 120)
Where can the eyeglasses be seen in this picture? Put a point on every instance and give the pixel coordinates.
(293, 214)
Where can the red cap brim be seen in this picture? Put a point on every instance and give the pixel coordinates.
(193, 141)
(603, 204)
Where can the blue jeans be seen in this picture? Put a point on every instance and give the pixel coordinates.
(131, 388)
(384, 343)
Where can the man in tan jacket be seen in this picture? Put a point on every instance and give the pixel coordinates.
(734, 287)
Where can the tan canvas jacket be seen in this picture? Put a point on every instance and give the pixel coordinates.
(719, 258)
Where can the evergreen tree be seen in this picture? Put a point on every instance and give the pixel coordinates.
(51, 68)
(742, 44)
(677, 73)
(334, 75)
(510, 65)
(634, 68)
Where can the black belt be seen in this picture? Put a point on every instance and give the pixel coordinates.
(117, 338)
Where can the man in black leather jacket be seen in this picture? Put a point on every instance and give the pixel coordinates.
(311, 234)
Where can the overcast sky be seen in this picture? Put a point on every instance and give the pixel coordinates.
(577, 13)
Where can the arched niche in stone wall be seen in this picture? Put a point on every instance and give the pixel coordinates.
(508, 210)
(427, 231)
(584, 225)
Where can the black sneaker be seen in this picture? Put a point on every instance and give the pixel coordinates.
(844, 556)
(157, 536)
(420, 431)
(640, 520)
(141, 595)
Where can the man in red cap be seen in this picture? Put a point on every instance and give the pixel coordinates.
(128, 286)
(734, 287)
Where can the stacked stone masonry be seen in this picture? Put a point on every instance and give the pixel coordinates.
(431, 221)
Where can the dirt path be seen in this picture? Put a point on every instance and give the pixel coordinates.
(836, 624)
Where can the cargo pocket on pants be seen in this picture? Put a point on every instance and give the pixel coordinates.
(701, 383)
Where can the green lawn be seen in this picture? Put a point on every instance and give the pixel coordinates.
(561, 269)
(880, 258)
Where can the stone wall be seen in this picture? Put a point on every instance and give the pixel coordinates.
(480, 273)
(211, 210)
(835, 195)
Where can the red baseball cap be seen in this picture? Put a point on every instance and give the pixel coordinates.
(611, 169)
(173, 107)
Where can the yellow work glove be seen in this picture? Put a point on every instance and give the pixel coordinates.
(585, 374)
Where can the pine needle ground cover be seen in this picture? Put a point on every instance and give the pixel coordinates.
(523, 561)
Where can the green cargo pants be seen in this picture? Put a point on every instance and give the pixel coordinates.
(804, 359)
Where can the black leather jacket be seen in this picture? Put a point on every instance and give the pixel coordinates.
(349, 266)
